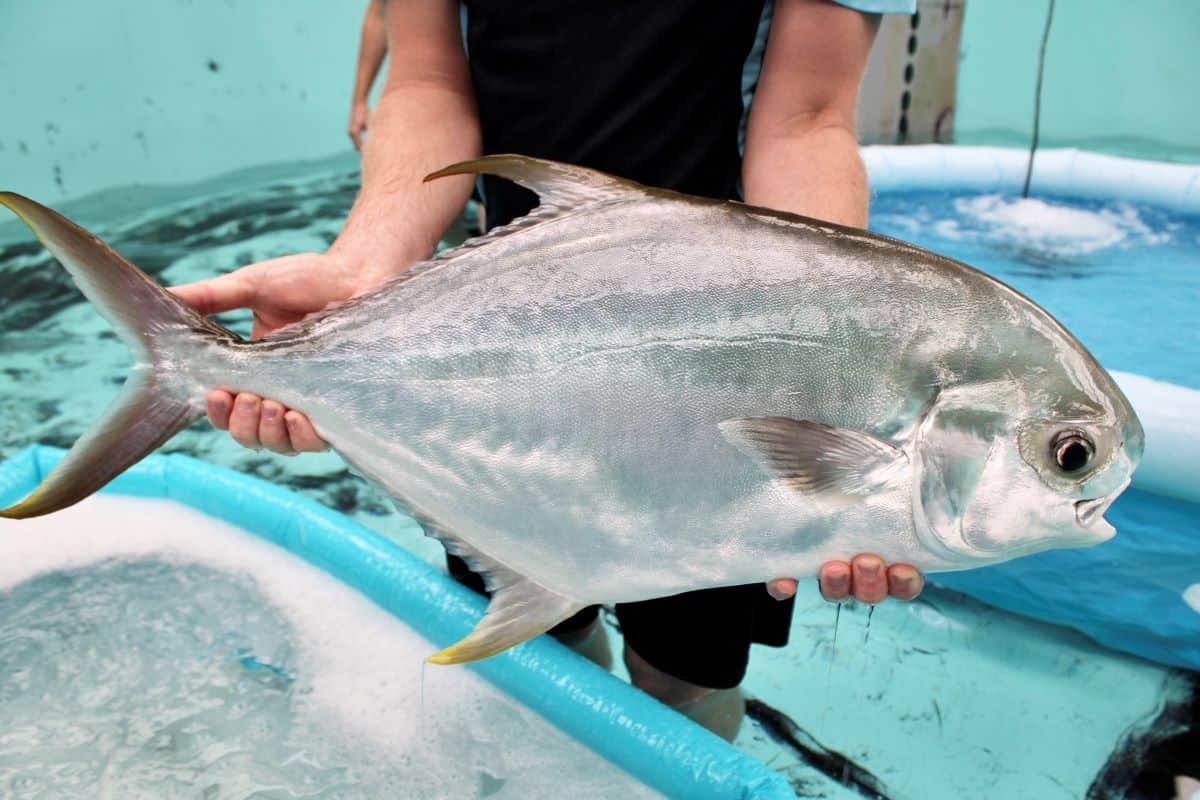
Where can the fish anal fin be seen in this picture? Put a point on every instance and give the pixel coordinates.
(520, 608)
(835, 466)
(559, 185)
(517, 613)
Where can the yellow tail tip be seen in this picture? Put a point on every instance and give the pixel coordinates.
(445, 657)
(24, 510)
(463, 652)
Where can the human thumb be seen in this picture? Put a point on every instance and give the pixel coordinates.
(222, 293)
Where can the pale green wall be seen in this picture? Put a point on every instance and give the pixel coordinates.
(1121, 75)
(102, 93)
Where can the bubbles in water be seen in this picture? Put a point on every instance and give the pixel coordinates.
(1191, 596)
(1032, 229)
(1033, 226)
(132, 677)
(147, 650)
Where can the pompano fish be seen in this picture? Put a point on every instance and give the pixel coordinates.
(632, 393)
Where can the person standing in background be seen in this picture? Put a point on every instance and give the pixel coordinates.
(372, 47)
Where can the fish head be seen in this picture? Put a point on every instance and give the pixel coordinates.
(1001, 473)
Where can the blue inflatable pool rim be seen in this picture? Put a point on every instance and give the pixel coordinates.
(1127, 593)
(657, 746)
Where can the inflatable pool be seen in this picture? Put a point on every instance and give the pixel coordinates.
(1108, 245)
(658, 747)
(929, 699)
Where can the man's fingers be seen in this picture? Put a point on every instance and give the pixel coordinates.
(304, 437)
(214, 295)
(781, 588)
(868, 578)
(834, 581)
(257, 423)
(356, 137)
(244, 420)
(904, 581)
(272, 431)
(219, 404)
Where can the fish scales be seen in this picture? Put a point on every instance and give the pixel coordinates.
(642, 393)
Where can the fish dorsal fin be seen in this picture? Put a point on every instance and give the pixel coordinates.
(835, 466)
(520, 608)
(558, 185)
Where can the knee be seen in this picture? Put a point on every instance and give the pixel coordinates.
(662, 686)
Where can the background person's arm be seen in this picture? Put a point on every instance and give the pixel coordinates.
(425, 120)
(372, 47)
(802, 156)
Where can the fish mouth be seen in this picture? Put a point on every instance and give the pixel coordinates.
(1090, 515)
(1088, 511)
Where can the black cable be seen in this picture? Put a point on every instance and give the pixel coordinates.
(1037, 98)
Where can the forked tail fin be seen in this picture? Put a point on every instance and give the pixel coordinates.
(152, 322)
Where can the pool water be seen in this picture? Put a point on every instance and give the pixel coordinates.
(1125, 279)
(147, 650)
(936, 700)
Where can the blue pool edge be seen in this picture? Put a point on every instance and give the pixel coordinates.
(654, 744)
(1068, 172)
(1128, 593)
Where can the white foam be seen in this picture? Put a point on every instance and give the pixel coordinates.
(1030, 224)
(1191, 596)
(362, 667)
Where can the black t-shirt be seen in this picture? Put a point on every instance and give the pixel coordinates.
(649, 90)
(645, 89)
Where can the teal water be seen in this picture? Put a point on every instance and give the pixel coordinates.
(935, 700)
(1124, 278)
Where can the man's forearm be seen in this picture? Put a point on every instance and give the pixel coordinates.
(801, 153)
(816, 172)
(417, 129)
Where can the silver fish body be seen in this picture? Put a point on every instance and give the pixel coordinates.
(635, 393)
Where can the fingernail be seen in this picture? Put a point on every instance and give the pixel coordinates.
(270, 413)
(291, 419)
(870, 571)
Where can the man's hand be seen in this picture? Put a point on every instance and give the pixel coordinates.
(279, 292)
(358, 123)
(866, 578)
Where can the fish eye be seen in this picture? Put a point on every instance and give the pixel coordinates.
(1072, 450)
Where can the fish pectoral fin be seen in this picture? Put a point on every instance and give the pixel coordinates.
(519, 610)
(836, 466)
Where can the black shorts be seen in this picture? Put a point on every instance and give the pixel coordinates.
(700, 637)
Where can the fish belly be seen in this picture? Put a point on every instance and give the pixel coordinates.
(554, 398)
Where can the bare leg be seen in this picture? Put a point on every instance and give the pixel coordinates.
(719, 710)
(591, 643)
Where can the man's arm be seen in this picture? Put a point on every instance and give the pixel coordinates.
(802, 156)
(801, 145)
(426, 119)
(372, 47)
